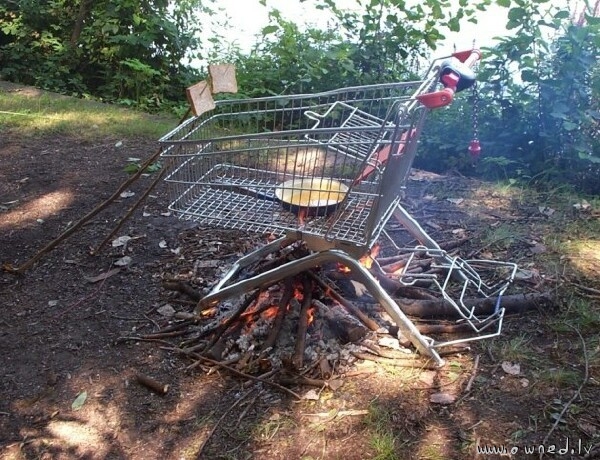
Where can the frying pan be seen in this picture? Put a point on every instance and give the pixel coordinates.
(309, 196)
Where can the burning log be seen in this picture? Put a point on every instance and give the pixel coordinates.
(219, 330)
(288, 292)
(329, 290)
(344, 326)
(298, 357)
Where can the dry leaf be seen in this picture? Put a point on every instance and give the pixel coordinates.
(511, 368)
(120, 241)
(311, 395)
(162, 244)
(335, 384)
(456, 201)
(123, 261)
(166, 310)
(79, 401)
(442, 398)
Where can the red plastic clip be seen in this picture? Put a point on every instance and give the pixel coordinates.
(436, 99)
(475, 148)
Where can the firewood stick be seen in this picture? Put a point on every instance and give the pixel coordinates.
(394, 266)
(219, 330)
(517, 303)
(371, 324)
(165, 335)
(394, 362)
(389, 260)
(152, 384)
(175, 327)
(182, 287)
(346, 327)
(199, 357)
(288, 292)
(298, 357)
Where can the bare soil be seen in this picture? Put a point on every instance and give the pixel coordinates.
(61, 323)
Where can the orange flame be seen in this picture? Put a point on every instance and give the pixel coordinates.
(302, 213)
(342, 268)
(270, 312)
(310, 314)
(367, 261)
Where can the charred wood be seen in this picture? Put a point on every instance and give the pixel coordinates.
(298, 357)
(344, 326)
(517, 303)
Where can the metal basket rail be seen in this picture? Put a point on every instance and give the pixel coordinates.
(458, 283)
(229, 162)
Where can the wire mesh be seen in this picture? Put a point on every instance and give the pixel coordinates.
(261, 164)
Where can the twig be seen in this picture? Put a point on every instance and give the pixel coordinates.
(577, 393)
(473, 375)
(394, 362)
(214, 428)
(232, 370)
(132, 209)
(152, 384)
(585, 288)
(82, 300)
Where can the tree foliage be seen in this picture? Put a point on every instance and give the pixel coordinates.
(128, 50)
(539, 86)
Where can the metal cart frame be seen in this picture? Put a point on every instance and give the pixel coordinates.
(230, 164)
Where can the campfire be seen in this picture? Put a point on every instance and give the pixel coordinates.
(312, 327)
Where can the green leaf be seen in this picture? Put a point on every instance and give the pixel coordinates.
(270, 29)
(79, 401)
(588, 157)
(569, 126)
(503, 3)
(564, 14)
(517, 14)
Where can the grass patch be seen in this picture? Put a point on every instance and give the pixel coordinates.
(382, 439)
(517, 349)
(35, 112)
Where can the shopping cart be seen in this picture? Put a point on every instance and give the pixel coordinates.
(327, 169)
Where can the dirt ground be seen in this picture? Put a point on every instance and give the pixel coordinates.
(69, 388)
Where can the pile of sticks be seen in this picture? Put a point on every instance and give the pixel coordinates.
(301, 311)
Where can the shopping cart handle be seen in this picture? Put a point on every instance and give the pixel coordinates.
(456, 75)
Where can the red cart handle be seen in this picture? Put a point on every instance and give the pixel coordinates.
(455, 75)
